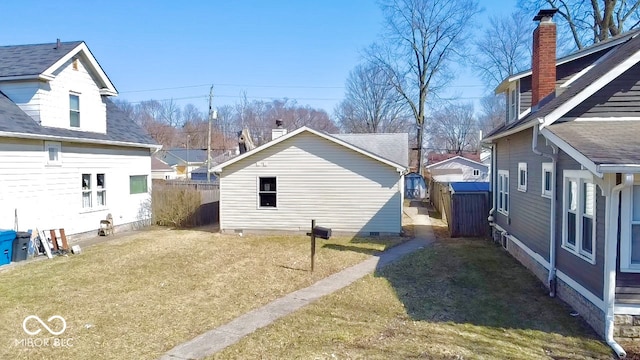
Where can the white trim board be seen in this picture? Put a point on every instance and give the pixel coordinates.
(625, 309)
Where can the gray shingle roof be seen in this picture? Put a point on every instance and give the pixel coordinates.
(616, 56)
(21, 60)
(178, 156)
(603, 142)
(119, 127)
(393, 147)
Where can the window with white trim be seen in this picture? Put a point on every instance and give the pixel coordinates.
(547, 179)
(522, 176)
(138, 184)
(503, 192)
(74, 110)
(630, 230)
(86, 191)
(267, 192)
(579, 207)
(53, 151)
(101, 193)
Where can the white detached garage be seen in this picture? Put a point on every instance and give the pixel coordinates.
(350, 183)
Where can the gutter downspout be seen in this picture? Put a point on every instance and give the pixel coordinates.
(551, 280)
(494, 172)
(610, 262)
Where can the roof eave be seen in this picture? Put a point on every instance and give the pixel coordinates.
(77, 140)
(517, 129)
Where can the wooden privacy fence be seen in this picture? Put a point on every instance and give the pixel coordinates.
(209, 193)
(465, 212)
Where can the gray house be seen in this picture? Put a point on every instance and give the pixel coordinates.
(566, 176)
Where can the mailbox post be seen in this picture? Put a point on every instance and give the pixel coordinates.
(321, 232)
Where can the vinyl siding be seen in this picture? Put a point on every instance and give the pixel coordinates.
(528, 217)
(621, 97)
(26, 94)
(316, 179)
(463, 165)
(586, 274)
(49, 197)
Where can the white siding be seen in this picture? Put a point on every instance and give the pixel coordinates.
(316, 179)
(467, 168)
(55, 103)
(51, 196)
(48, 103)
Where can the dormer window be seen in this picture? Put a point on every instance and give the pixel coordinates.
(74, 110)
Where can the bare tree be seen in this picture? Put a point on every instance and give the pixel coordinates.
(371, 103)
(504, 48)
(592, 21)
(454, 128)
(420, 40)
(493, 112)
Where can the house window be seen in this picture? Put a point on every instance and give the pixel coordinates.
(138, 184)
(74, 110)
(630, 230)
(101, 194)
(522, 176)
(547, 179)
(578, 233)
(52, 151)
(503, 192)
(476, 172)
(267, 192)
(86, 191)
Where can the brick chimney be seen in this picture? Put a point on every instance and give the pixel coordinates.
(543, 64)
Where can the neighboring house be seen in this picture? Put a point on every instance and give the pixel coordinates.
(183, 160)
(68, 155)
(351, 183)
(160, 170)
(566, 179)
(456, 169)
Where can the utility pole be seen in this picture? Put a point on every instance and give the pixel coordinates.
(209, 137)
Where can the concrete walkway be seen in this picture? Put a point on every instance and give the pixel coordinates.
(217, 339)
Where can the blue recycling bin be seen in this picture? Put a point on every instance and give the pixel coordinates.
(6, 246)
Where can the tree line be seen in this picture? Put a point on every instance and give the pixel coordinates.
(399, 85)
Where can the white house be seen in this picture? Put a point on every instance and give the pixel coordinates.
(349, 183)
(68, 155)
(458, 169)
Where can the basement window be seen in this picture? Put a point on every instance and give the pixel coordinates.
(267, 193)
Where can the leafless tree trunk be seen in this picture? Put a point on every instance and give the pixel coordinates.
(420, 40)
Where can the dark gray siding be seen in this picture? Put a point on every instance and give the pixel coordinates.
(621, 97)
(586, 274)
(525, 93)
(529, 212)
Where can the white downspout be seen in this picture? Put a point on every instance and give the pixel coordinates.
(494, 173)
(551, 280)
(611, 242)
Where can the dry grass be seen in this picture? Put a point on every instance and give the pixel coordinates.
(139, 296)
(458, 299)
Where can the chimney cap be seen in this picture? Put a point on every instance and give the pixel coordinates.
(545, 13)
(279, 123)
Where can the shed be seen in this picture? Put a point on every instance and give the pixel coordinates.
(468, 209)
(414, 186)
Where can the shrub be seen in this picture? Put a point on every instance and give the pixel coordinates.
(174, 205)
